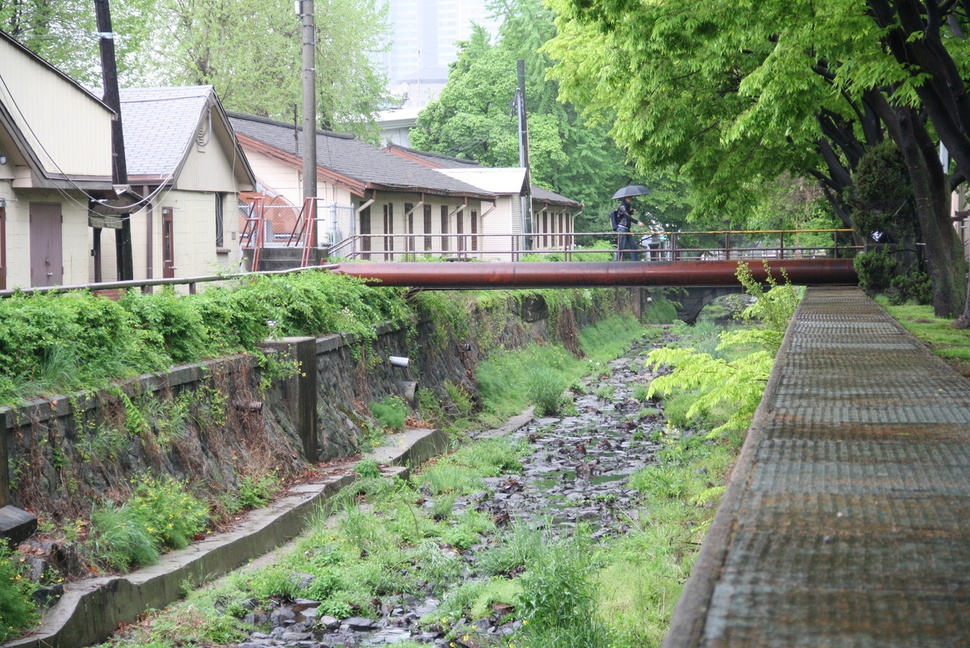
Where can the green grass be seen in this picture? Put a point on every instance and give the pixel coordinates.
(567, 591)
(362, 553)
(644, 570)
(120, 538)
(951, 344)
(17, 609)
(539, 374)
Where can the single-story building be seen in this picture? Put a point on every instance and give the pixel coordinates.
(370, 204)
(505, 229)
(188, 169)
(55, 161)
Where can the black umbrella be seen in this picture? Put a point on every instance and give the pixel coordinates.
(631, 190)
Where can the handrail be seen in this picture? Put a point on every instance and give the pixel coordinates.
(459, 247)
(516, 251)
(149, 283)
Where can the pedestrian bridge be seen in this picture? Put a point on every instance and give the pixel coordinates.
(306, 248)
(702, 265)
(697, 282)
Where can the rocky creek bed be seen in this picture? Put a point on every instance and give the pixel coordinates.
(576, 474)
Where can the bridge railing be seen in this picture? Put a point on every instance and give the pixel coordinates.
(601, 246)
(673, 246)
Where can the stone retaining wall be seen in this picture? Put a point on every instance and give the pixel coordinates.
(216, 426)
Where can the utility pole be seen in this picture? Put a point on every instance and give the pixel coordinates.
(526, 199)
(309, 100)
(119, 167)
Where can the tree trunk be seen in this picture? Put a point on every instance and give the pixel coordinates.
(944, 258)
(945, 264)
(916, 41)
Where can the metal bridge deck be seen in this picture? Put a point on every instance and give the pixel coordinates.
(847, 518)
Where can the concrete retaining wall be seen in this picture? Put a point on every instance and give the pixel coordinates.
(215, 425)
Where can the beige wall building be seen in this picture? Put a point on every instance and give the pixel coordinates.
(505, 225)
(370, 204)
(187, 167)
(55, 158)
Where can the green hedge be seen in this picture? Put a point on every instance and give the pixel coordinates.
(60, 342)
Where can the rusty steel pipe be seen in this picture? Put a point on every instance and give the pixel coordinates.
(522, 274)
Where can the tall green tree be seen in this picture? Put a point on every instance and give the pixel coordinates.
(928, 42)
(734, 95)
(474, 117)
(65, 34)
(250, 51)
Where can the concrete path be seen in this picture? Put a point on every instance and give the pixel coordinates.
(847, 519)
(92, 609)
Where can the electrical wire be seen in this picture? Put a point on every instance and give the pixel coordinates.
(143, 201)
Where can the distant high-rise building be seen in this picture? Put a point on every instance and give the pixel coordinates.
(424, 34)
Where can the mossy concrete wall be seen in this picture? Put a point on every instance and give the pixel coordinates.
(217, 424)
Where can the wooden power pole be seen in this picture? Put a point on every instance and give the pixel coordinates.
(524, 157)
(119, 167)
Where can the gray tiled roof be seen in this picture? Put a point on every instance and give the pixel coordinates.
(439, 159)
(538, 193)
(448, 162)
(159, 126)
(350, 157)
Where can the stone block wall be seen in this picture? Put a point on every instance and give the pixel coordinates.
(214, 424)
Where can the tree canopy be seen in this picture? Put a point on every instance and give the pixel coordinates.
(248, 50)
(474, 118)
(65, 33)
(734, 95)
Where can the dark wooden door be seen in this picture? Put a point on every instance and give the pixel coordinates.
(168, 243)
(46, 245)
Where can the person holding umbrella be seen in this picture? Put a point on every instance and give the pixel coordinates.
(624, 222)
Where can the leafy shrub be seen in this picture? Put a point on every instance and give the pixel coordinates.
(449, 314)
(17, 610)
(729, 387)
(391, 412)
(237, 319)
(367, 469)
(62, 342)
(771, 310)
(172, 515)
(178, 325)
(876, 270)
(75, 340)
(914, 286)
(255, 491)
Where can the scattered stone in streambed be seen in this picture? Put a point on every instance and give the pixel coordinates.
(576, 475)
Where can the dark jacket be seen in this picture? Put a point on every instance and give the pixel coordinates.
(624, 215)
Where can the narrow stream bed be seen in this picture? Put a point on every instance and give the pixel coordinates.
(576, 474)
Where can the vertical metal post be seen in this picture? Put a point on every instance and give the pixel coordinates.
(309, 101)
(526, 199)
(4, 462)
